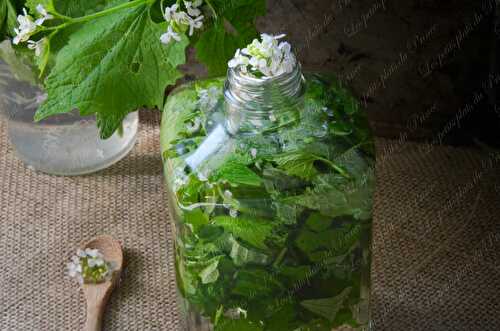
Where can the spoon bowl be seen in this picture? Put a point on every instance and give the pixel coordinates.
(97, 295)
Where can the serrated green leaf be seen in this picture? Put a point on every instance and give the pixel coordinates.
(319, 245)
(284, 319)
(237, 173)
(186, 281)
(287, 212)
(318, 222)
(334, 196)
(251, 231)
(227, 324)
(253, 283)
(196, 218)
(278, 181)
(210, 274)
(234, 28)
(89, 71)
(298, 163)
(334, 203)
(328, 307)
(242, 255)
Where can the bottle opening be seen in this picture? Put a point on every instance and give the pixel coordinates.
(254, 104)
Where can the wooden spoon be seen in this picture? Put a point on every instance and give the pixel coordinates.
(97, 295)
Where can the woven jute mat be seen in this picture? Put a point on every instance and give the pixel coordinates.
(436, 240)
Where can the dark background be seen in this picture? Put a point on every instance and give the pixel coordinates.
(424, 70)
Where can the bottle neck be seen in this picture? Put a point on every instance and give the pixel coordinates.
(255, 105)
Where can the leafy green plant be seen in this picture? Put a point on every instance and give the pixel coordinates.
(112, 57)
(275, 235)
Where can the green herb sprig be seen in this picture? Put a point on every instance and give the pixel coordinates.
(105, 57)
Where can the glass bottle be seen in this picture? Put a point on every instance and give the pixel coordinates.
(65, 144)
(270, 184)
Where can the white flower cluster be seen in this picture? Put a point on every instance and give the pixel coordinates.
(191, 19)
(268, 57)
(89, 266)
(28, 26)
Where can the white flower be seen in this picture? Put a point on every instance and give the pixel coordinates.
(45, 15)
(285, 47)
(253, 153)
(173, 14)
(268, 56)
(169, 12)
(38, 46)
(196, 23)
(26, 28)
(228, 194)
(192, 8)
(260, 64)
(289, 62)
(239, 59)
(208, 98)
(181, 18)
(170, 35)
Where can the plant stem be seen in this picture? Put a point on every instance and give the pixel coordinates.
(212, 8)
(111, 10)
(162, 8)
(280, 257)
(60, 16)
(105, 12)
(335, 167)
(45, 59)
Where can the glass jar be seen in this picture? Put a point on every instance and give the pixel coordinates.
(66, 144)
(270, 184)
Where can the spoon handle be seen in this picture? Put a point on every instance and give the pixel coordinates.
(94, 317)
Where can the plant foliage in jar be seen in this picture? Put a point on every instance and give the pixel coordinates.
(270, 180)
(112, 57)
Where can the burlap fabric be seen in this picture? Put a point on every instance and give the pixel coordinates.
(436, 240)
